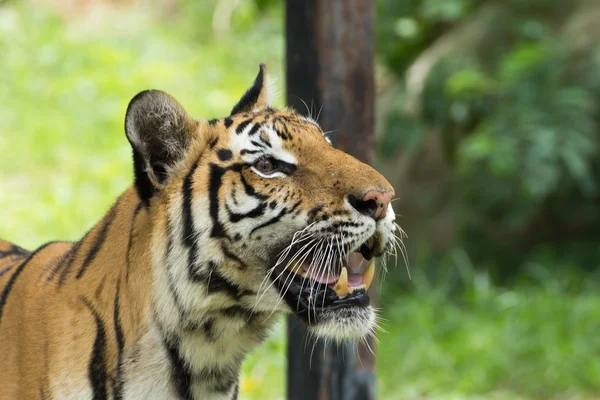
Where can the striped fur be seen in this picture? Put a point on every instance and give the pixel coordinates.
(164, 296)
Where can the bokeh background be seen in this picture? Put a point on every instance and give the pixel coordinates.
(487, 126)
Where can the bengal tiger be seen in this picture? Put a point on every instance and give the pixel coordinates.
(229, 222)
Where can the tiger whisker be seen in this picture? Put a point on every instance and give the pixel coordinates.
(291, 279)
(402, 247)
(305, 105)
(317, 254)
(319, 113)
(279, 276)
(294, 241)
(270, 272)
(328, 269)
(322, 269)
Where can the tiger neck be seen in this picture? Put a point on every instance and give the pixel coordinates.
(202, 321)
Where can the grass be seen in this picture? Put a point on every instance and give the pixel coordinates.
(64, 86)
(535, 340)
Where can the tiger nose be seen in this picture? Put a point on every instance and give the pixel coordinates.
(373, 204)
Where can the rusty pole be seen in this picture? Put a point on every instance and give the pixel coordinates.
(330, 63)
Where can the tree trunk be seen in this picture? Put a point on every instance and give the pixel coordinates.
(330, 64)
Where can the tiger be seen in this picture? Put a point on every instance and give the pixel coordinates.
(228, 224)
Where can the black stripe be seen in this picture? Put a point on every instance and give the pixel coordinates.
(223, 384)
(188, 219)
(213, 142)
(120, 337)
(206, 326)
(97, 368)
(214, 184)
(254, 213)
(66, 264)
(296, 206)
(265, 139)
(180, 376)
(250, 190)
(193, 274)
(227, 121)
(127, 262)
(236, 391)
(254, 129)
(272, 221)
(174, 293)
(215, 181)
(218, 379)
(59, 264)
(239, 312)
(312, 214)
(244, 151)
(240, 128)
(209, 330)
(14, 251)
(218, 283)
(233, 257)
(285, 134)
(143, 185)
(257, 144)
(15, 275)
(5, 270)
(99, 241)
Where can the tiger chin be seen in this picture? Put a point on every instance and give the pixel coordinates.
(229, 222)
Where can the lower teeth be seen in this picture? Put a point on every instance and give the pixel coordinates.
(352, 289)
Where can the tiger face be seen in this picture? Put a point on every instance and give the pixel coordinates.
(261, 203)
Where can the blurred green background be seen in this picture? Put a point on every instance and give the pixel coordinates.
(488, 117)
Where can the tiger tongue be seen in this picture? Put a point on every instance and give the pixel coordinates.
(346, 282)
(349, 279)
(318, 274)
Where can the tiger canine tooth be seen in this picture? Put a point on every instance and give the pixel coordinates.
(341, 287)
(368, 274)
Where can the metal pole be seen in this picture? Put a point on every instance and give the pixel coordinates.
(330, 63)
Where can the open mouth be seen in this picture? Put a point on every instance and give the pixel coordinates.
(346, 276)
(321, 280)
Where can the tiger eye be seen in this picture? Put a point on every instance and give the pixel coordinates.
(265, 165)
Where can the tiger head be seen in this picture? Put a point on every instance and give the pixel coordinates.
(261, 211)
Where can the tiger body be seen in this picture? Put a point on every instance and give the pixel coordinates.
(164, 296)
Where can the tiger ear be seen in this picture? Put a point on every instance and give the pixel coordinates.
(257, 96)
(159, 131)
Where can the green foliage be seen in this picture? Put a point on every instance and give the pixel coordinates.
(503, 134)
(535, 340)
(516, 111)
(405, 28)
(64, 86)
